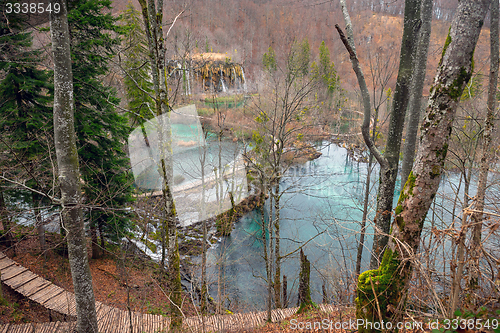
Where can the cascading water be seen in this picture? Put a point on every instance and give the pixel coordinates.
(222, 84)
(244, 80)
(210, 71)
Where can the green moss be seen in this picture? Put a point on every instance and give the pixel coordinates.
(386, 283)
(446, 44)
(304, 307)
(442, 152)
(410, 184)
(456, 88)
(435, 172)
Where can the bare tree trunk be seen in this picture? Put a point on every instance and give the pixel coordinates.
(389, 161)
(285, 292)
(390, 281)
(101, 234)
(2, 299)
(39, 221)
(361, 244)
(204, 288)
(267, 259)
(460, 260)
(153, 22)
(277, 257)
(362, 231)
(5, 220)
(388, 175)
(416, 90)
(477, 216)
(95, 245)
(69, 174)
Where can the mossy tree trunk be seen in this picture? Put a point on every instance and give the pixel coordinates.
(305, 301)
(153, 21)
(69, 174)
(388, 175)
(390, 159)
(386, 287)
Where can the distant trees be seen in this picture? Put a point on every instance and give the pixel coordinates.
(137, 68)
(287, 113)
(25, 116)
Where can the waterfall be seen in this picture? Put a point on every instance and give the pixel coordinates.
(244, 80)
(236, 80)
(223, 86)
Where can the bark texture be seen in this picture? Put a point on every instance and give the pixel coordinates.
(389, 161)
(305, 301)
(69, 175)
(153, 22)
(487, 154)
(387, 285)
(388, 175)
(414, 105)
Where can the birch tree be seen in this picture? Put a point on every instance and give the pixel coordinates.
(382, 293)
(152, 13)
(69, 174)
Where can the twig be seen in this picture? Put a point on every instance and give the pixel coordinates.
(376, 299)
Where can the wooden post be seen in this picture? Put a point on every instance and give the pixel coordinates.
(285, 301)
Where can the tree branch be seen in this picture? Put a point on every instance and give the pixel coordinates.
(365, 128)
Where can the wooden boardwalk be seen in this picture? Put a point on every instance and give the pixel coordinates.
(110, 319)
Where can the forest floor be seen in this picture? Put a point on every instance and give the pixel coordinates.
(119, 280)
(122, 281)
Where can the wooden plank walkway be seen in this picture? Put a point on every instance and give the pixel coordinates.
(110, 319)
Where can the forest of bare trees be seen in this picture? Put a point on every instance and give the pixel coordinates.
(366, 132)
